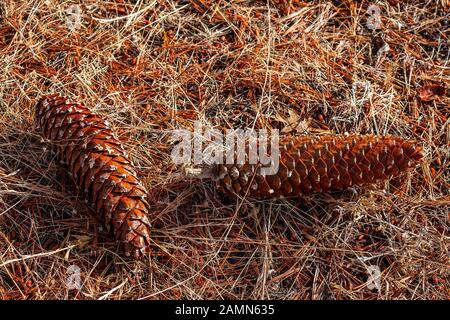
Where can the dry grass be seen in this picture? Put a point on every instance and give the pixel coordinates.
(290, 65)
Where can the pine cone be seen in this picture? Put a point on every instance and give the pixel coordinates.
(320, 164)
(100, 168)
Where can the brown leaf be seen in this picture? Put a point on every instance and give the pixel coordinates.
(431, 92)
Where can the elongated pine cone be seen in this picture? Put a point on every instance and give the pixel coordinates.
(100, 168)
(320, 164)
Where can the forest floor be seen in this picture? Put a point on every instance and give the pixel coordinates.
(301, 67)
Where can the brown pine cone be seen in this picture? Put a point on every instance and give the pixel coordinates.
(320, 164)
(100, 168)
